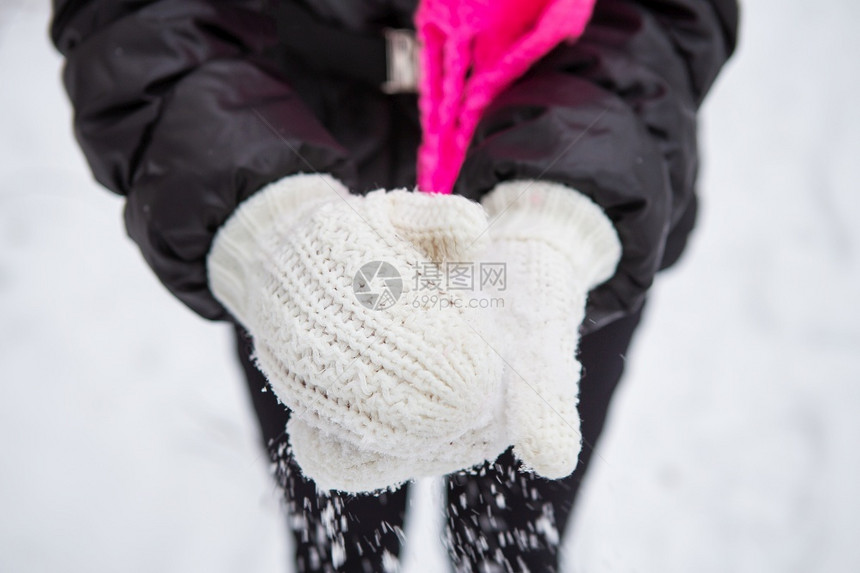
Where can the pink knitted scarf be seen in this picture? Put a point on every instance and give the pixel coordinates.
(471, 51)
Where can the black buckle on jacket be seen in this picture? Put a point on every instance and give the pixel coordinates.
(402, 59)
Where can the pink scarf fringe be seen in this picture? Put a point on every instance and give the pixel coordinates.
(471, 51)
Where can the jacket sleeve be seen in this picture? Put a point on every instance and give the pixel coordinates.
(176, 109)
(614, 116)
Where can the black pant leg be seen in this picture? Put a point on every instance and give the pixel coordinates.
(332, 531)
(502, 519)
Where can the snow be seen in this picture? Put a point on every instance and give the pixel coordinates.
(128, 443)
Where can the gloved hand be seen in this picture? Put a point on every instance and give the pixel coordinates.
(369, 390)
(557, 245)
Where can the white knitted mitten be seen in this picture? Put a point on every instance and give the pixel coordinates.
(557, 245)
(368, 387)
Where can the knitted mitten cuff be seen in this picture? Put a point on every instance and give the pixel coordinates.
(237, 244)
(561, 217)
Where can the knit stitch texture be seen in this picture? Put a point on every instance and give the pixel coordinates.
(418, 389)
(557, 245)
(410, 378)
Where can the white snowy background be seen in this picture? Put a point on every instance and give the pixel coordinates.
(127, 442)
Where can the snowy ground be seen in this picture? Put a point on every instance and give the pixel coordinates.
(126, 442)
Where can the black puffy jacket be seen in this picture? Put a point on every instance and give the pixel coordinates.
(187, 107)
